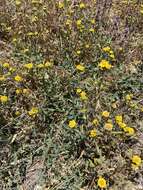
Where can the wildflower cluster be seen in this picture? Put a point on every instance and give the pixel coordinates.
(70, 95)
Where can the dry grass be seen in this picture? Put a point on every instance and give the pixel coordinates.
(39, 150)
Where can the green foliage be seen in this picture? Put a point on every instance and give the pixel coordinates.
(71, 101)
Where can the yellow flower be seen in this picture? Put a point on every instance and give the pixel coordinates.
(92, 21)
(80, 67)
(111, 52)
(18, 2)
(92, 133)
(48, 64)
(118, 118)
(6, 65)
(106, 49)
(105, 114)
(25, 91)
(61, 5)
(122, 125)
(83, 95)
(3, 99)
(136, 160)
(95, 122)
(87, 46)
(129, 130)
(78, 52)
(78, 22)
(18, 78)
(129, 97)
(68, 22)
(82, 5)
(17, 113)
(102, 182)
(72, 123)
(108, 126)
(92, 30)
(78, 90)
(104, 64)
(33, 111)
(28, 65)
(40, 65)
(18, 91)
(2, 78)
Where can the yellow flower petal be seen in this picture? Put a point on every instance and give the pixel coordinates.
(108, 126)
(3, 99)
(33, 111)
(83, 95)
(72, 123)
(105, 114)
(18, 78)
(80, 67)
(78, 90)
(95, 122)
(104, 64)
(102, 182)
(92, 133)
(136, 160)
(129, 130)
(118, 118)
(28, 65)
(82, 5)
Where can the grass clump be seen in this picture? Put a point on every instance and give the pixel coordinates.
(71, 101)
